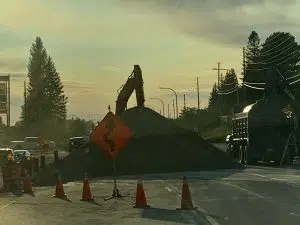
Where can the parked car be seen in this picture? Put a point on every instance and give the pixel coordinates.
(78, 143)
(32, 143)
(16, 145)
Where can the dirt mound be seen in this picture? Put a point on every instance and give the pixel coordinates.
(159, 146)
(145, 122)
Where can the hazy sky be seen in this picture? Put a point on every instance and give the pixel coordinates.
(95, 44)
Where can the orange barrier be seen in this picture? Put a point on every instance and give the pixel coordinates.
(186, 200)
(59, 189)
(27, 185)
(140, 198)
(86, 190)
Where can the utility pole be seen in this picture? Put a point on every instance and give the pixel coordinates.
(8, 102)
(184, 101)
(244, 72)
(168, 110)
(219, 69)
(25, 100)
(198, 93)
(174, 108)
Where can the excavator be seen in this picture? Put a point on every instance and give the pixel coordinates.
(134, 82)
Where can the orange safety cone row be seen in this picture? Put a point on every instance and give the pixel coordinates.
(140, 199)
(27, 185)
(186, 200)
(86, 191)
(59, 190)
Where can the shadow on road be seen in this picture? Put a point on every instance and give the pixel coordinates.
(166, 215)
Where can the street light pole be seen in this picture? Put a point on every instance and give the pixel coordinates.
(175, 98)
(163, 104)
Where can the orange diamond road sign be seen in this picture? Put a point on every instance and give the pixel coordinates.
(111, 134)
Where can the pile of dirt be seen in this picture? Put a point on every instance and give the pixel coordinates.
(146, 122)
(167, 149)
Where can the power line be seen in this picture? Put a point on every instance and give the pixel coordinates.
(284, 61)
(273, 43)
(275, 56)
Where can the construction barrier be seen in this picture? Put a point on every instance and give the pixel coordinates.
(11, 173)
(1, 180)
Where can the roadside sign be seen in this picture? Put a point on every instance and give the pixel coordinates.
(111, 134)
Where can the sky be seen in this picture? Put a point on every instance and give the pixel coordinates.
(95, 44)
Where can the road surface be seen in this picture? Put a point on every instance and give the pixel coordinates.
(253, 196)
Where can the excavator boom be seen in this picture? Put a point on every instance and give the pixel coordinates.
(134, 82)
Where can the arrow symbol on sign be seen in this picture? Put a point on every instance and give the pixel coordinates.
(110, 125)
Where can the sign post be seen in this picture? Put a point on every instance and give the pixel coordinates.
(111, 135)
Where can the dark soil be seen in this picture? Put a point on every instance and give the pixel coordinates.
(168, 149)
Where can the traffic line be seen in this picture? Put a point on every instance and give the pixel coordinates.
(209, 218)
(8, 204)
(168, 189)
(244, 190)
(285, 178)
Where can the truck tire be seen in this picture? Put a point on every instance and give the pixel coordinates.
(229, 149)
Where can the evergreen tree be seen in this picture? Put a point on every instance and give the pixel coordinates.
(36, 103)
(253, 72)
(229, 91)
(213, 99)
(282, 52)
(54, 92)
(45, 100)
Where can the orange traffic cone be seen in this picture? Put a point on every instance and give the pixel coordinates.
(59, 190)
(86, 191)
(186, 200)
(140, 199)
(27, 186)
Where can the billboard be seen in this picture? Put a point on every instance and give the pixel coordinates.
(3, 98)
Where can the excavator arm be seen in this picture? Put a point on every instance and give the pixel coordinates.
(134, 82)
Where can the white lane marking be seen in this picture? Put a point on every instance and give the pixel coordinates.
(243, 189)
(210, 219)
(8, 204)
(168, 189)
(294, 214)
(269, 178)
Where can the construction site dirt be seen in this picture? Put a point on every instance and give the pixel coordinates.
(158, 146)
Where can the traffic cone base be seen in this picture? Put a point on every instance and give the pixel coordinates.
(59, 189)
(27, 185)
(186, 200)
(140, 199)
(86, 190)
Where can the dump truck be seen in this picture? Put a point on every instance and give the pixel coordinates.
(267, 130)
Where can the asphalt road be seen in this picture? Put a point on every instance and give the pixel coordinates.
(251, 197)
